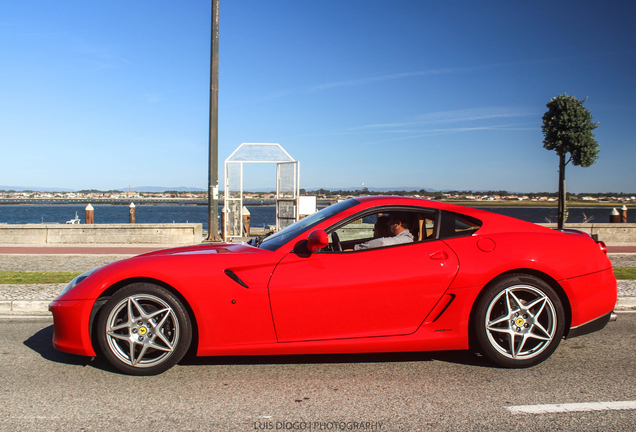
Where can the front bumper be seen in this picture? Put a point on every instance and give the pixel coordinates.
(71, 326)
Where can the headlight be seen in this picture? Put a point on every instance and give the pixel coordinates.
(77, 280)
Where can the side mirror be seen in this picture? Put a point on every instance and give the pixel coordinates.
(317, 239)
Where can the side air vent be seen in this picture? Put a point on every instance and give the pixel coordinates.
(235, 278)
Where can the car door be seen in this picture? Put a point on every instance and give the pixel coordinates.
(377, 292)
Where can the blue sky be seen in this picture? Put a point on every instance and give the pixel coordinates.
(436, 95)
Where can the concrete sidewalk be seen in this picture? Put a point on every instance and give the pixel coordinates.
(136, 249)
(115, 249)
(102, 249)
(34, 299)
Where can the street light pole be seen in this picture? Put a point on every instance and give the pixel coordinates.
(213, 175)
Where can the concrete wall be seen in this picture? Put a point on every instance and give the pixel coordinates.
(34, 234)
(617, 234)
(613, 234)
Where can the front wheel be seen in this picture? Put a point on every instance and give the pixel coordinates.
(519, 321)
(143, 329)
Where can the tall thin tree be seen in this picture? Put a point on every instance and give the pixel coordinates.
(567, 129)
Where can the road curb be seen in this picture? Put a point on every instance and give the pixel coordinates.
(24, 307)
(29, 307)
(626, 303)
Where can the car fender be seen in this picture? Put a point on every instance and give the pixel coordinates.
(227, 295)
(550, 253)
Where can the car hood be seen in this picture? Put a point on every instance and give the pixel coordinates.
(177, 267)
(229, 248)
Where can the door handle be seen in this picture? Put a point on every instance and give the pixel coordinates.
(439, 256)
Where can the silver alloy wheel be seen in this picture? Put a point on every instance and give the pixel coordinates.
(520, 322)
(142, 330)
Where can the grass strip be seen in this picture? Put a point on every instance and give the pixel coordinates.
(13, 277)
(628, 273)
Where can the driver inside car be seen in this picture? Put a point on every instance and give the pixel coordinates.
(398, 226)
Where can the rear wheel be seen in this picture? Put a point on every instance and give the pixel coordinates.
(143, 329)
(519, 321)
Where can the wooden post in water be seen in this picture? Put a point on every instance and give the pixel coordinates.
(614, 216)
(132, 213)
(90, 216)
(624, 214)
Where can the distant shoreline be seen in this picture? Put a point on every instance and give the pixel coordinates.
(186, 202)
(538, 204)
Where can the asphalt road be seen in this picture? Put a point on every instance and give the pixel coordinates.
(45, 390)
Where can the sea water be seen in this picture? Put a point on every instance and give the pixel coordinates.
(260, 216)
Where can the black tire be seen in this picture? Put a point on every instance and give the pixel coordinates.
(154, 340)
(519, 321)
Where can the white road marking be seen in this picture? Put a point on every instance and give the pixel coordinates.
(572, 407)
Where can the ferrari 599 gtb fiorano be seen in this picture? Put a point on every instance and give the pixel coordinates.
(347, 279)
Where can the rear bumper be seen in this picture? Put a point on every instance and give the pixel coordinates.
(591, 297)
(592, 326)
(70, 326)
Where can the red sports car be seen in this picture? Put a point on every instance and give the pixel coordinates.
(373, 274)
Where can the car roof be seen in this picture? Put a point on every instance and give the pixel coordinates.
(393, 199)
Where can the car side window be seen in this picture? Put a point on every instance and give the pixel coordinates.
(372, 230)
(359, 230)
(458, 225)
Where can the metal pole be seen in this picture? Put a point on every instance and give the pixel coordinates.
(213, 177)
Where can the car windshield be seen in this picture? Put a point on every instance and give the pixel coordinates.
(275, 241)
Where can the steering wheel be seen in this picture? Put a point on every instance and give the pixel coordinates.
(335, 242)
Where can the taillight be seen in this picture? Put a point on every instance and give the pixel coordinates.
(602, 246)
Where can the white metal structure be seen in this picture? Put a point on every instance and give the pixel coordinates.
(287, 186)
